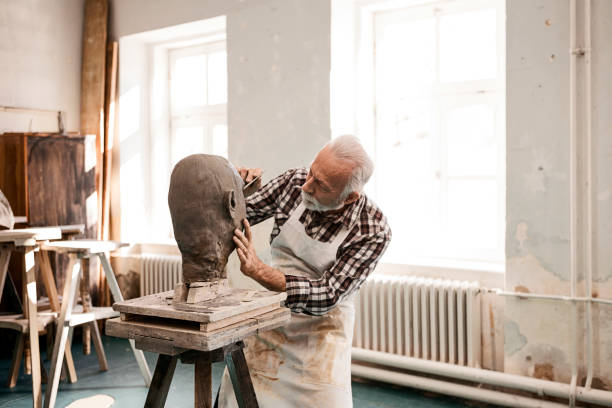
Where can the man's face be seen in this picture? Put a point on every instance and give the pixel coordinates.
(325, 182)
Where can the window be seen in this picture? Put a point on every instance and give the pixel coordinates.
(198, 101)
(439, 130)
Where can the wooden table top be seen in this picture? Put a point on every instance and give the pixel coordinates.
(83, 246)
(29, 236)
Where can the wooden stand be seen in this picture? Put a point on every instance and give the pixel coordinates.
(212, 333)
(28, 240)
(70, 317)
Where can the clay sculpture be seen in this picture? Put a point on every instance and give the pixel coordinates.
(206, 204)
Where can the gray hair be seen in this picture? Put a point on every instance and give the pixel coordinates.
(348, 147)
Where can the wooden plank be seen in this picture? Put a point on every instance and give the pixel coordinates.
(93, 78)
(158, 391)
(109, 132)
(110, 104)
(231, 304)
(13, 169)
(191, 338)
(212, 326)
(62, 178)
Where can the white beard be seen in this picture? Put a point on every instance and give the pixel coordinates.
(312, 204)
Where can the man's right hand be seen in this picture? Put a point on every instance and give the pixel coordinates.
(248, 174)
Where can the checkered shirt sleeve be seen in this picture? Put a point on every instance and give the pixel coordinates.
(356, 257)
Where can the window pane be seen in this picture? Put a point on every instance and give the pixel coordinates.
(468, 46)
(406, 58)
(472, 214)
(186, 141)
(217, 78)
(471, 145)
(407, 179)
(188, 85)
(219, 140)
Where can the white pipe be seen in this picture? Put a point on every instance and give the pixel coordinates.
(551, 297)
(457, 390)
(589, 193)
(573, 202)
(478, 375)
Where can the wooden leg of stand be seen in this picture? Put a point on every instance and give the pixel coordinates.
(16, 363)
(160, 385)
(85, 301)
(203, 381)
(63, 329)
(5, 257)
(241, 379)
(32, 315)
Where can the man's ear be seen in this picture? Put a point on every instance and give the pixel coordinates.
(351, 198)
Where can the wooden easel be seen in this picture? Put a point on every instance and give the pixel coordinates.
(213, 331)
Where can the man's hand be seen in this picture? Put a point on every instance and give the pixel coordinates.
(252, 266)
(248, 174)
(249, 261)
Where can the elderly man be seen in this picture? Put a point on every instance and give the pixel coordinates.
(327, 238)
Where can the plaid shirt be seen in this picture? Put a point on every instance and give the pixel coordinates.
(357, 256)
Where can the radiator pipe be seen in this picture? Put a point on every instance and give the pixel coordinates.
(589, 193)
(456, 390)
(477, 375)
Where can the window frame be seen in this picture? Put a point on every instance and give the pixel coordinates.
(372, 14)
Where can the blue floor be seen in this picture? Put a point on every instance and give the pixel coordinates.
(124, 383)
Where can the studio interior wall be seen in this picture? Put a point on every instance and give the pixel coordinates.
(40, 63)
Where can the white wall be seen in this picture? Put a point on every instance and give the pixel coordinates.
(40, 62)
(278, 87)
(538, 333)
(278, 63)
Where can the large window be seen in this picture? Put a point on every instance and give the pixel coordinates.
(439, 130)
(198, 100)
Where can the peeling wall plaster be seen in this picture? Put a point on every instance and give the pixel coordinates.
(538, 332)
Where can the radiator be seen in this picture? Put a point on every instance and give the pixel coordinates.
(432, 319)
(159, 273)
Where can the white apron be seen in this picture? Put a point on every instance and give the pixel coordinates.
(307, 362)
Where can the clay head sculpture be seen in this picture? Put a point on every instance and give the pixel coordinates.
(206, 205)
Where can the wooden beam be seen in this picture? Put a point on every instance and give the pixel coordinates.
(93, 77)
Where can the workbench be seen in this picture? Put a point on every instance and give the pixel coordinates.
(207, 332)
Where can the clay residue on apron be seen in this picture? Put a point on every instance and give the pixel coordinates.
(326, 343)
(262, 356)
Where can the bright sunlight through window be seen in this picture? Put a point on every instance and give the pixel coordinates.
(440, 130)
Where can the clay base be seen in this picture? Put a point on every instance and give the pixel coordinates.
(196, 292)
